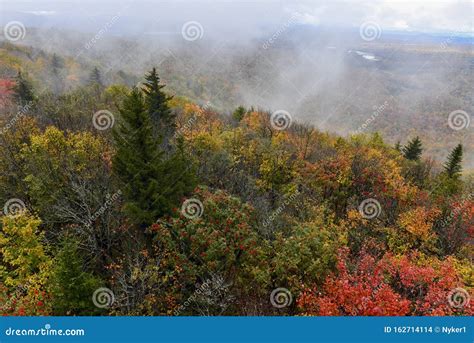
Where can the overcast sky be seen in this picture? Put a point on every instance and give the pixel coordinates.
(242, 16)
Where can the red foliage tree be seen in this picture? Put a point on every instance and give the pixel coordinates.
(391, 286)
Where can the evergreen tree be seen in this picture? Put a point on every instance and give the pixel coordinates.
(398, 146)
(22, 90)
(453, 166)
(239, 113)
(69, 282)
(412, 151)
(56, 65)
(156, 101)
(95, 77)
(151, 185)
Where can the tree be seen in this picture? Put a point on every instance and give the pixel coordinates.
(239, 113)
(156, 101)
(71, 285)
(453, 167)
(24, 266)
(95, 77)
(23, 90)
(390, 286)
(398, 146)
(412, 151)
(151, 185)
(217, 240)
(73, 191)
(56, 64)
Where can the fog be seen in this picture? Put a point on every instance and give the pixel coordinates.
(344, 66)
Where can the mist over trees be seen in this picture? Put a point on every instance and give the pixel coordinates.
(307, 174)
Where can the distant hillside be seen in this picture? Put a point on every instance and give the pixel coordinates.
(401, 85)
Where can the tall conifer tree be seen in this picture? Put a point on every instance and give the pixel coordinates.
(412, 151)
(453, 166)
(156, 101)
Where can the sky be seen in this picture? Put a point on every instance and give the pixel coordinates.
(241, 17)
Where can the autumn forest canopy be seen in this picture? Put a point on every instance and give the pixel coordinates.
(122, 197)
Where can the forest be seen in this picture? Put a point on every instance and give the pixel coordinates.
(122, 200)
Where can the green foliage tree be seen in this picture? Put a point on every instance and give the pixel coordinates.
(95, 77)
(23, 256)
(412, 151)
(221, 243)
(239, 113)
(152, 186)
(72, 286)
(23, 91)
(56, 65)
(24, 266)
(398, 146)
(453, 166)
(156, 101)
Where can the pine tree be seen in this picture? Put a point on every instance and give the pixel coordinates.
(239, 113)
(453, 166)
(152, 186)
(398, 146)
(156, 101)
(412, 151)
(22, 90)
(95, 77)
(56, 65)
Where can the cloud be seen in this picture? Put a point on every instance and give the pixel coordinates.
(448, 15)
